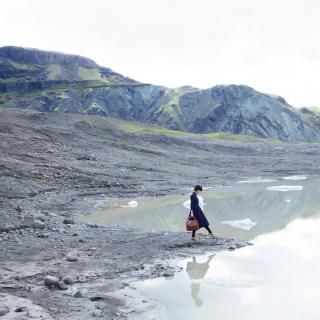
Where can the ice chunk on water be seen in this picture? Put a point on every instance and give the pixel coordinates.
(294, 178)
(285, 188)
(288, 200)
(256, 180)
(131, 204)
(235, 281)
(245, 224)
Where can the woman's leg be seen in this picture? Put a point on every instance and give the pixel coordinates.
(208, 229)
(193, 233)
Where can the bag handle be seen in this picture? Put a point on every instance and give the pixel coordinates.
(190, 213)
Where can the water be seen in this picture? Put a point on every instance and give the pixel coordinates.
(276, 278)
(243, 211)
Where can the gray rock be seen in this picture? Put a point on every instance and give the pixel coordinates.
(68, 221)
(51, 281)
(21, 309)
(39, 224)
(41, 217)
(4, 310)
(7, 227)
(81, 293)
(62, 286)
(71, 258)
(68, 280)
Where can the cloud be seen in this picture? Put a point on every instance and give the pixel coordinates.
(269, 45)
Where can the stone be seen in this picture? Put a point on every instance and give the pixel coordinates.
(41, 217)
(44, 235)
(81, 293)
(62, 285)
(71, 258)
(7, 227)
(51, 281)
(68, 221)
(68, 280)
(168, 274)
(39, 224)
(4, 310)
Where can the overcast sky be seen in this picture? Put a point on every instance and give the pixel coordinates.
(271, 45)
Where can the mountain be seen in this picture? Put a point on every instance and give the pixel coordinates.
(52, 81)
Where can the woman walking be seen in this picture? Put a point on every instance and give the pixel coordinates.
(198, 213)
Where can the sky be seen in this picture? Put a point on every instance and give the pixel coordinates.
(270, 45)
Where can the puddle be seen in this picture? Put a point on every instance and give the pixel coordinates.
(242, 212)
(277, 278)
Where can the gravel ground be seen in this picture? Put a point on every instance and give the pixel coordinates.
(55, 167)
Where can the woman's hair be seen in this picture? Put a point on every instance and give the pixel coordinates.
(197, 187)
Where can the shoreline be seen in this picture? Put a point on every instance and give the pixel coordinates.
(99, 259)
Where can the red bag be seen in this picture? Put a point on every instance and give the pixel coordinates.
(192, 223)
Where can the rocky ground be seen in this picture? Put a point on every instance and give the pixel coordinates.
(55, 167)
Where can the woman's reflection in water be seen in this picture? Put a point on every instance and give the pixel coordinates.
(197, 270)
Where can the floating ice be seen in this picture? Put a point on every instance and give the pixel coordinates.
(245, 224)
(288, 200)
(131, 204)
(294, 178)
(256, 180)
(285, 188)
(234, 281)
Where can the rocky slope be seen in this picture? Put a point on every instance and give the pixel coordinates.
(49, 81)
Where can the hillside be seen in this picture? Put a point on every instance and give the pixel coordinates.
(51, 81)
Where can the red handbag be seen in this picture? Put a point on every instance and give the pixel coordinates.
(192, 223)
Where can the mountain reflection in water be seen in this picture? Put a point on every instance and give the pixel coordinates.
(242, 212)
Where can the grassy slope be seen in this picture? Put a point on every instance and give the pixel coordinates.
(136, 128)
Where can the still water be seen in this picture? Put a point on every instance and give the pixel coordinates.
(250, 208)
(276, 278)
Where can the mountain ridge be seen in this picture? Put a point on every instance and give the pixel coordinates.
(53, 81)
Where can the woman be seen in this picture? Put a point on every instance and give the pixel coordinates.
(198, 213)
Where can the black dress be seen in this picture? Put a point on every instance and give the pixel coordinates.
(197, 211)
